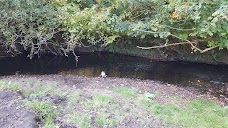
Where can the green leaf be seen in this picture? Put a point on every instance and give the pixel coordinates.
(111, 39)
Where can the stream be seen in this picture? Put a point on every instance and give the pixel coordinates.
(206, 78)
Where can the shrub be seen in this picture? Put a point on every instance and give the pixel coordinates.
(58, 26)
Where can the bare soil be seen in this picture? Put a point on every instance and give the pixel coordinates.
(13, 113)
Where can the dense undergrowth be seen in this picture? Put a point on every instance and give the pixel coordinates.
(58, 26)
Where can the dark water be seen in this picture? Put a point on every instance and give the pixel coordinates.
(205, 77)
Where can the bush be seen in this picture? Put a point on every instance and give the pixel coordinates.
(29, 23)
(58, 26)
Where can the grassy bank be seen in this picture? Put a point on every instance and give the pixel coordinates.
(64, 105)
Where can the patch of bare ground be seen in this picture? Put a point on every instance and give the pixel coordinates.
(13, 113)
(163, 89)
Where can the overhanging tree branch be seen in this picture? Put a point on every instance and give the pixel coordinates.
(163, 46)
(193, 44)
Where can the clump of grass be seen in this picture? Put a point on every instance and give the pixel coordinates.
(45, 110)
(10, 86)
(101, 98)
(37, 90)
(128, 92)
(98, 100)
(103, 119)
(79, 120)
(73, 99)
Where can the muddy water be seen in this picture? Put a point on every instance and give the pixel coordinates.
(207, 78)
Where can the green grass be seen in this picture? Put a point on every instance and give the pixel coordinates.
(45, 110)
(10, 86)
(37, 90)
(98, 104)
(73, 98)
(98, 100)
(127, 92)
(111, 112)
(79, 119)
(196, 114)
(103, 119)
(49, 126)
(105, 99)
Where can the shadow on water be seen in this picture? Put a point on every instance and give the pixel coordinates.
(202, 76)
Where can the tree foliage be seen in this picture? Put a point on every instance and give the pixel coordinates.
(30, 23)
(38, 24)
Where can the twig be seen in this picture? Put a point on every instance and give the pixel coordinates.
(162, 46)
(76, 58)
(180, 29)
(193, 44)
(206, 49)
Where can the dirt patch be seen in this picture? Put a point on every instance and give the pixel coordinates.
(78, 82)
(13, 113)
(67, 82)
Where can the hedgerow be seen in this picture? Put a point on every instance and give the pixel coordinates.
(58, 26)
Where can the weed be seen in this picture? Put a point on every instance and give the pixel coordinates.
(128, 92)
